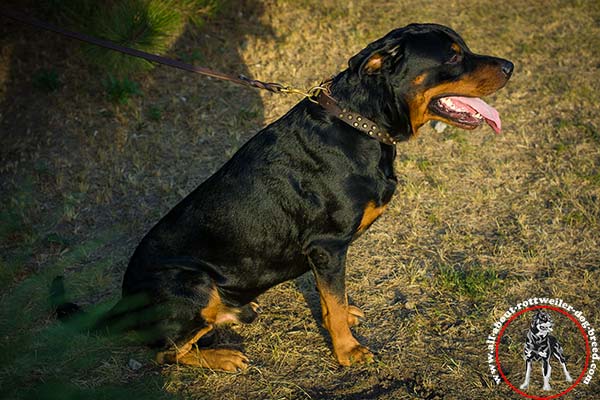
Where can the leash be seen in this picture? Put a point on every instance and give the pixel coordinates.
(318, 94)
(240, 79)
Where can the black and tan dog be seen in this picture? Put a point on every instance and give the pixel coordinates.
(542, 346)
(294, 197)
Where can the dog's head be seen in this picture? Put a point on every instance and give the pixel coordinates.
(542, 323)
(427, 72)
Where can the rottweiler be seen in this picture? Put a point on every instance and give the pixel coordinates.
(296, 195)
(542, 346)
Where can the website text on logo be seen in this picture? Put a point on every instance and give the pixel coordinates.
(555, 304)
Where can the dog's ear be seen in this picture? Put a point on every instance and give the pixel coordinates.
(377, 57)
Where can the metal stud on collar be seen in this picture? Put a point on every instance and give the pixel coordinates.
(352, 119)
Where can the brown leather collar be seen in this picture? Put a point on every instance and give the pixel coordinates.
(353, 119)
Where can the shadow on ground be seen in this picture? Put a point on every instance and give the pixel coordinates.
(72, 161)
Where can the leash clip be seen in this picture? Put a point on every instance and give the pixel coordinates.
(314, 92)
(311, 94)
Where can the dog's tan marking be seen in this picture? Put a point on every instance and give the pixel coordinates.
(419, 79)
(336, 319)
(456, 47)
(219, 359)
(354, 313)
(374, 63)
(218, 313)
(371, 213)
(175, 354)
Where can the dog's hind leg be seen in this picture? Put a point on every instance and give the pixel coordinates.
(546, 371)
(525, 383)
(218, 359)
(214, 313)
(190, 306)
(177, 352)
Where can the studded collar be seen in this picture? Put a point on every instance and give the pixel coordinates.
(353, 119)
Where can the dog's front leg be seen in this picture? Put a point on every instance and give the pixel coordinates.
(525, 384)
(546, 370)
(327, 260)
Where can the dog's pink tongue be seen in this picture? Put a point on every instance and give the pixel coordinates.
(488, 112)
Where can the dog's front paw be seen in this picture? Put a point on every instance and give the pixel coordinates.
(354, 313)
(524, 386)
(547, 387)
(355, 355)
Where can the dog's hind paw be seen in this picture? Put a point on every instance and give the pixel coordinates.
(524, 386)
(218, 359)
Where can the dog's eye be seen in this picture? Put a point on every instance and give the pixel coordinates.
(456, 58)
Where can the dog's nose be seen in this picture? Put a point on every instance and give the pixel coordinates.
(507, 68)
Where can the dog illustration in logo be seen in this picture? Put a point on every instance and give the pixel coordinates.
(541, 346)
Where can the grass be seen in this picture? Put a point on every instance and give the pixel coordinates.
(479, 222)
(120, 90)
(46, 80)
(474, 283)
(154, 113)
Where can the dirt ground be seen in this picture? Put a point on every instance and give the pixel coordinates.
(479, 222)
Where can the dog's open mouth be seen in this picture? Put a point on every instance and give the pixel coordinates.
(466, 112)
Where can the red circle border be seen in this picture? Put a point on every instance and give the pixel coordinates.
(587, 351)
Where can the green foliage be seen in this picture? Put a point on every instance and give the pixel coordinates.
(148, 25)
(44, 359)
(16, 230)
(46, 80)
(120, 90)
(473, 283)
(154, 113)
(39, 357)
(59, 390)
(192, 57)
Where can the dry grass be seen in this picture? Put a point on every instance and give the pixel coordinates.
(478, 223)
